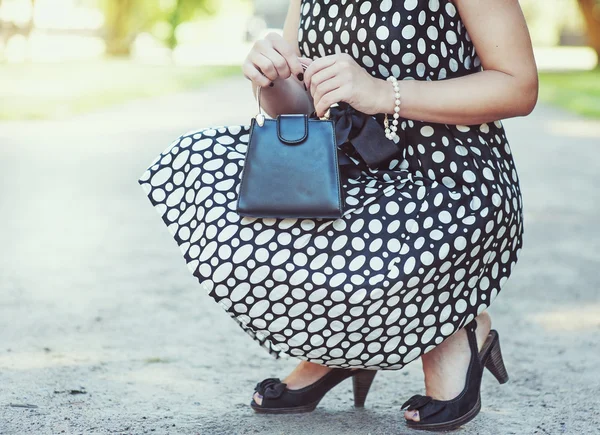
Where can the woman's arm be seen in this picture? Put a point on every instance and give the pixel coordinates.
(276, 60)
(508, 87)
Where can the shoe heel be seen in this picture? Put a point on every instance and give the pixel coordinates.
(361, 383)
(495, 364)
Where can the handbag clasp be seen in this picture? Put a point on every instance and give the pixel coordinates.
(292, 129)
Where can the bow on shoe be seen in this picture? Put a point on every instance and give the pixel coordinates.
(270, 388)
(365, 134)
(426, 405)
(416, 402)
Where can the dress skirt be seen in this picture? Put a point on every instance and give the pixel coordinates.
(427, 238)
(425, 243)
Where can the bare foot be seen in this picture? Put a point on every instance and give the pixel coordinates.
(304, 374)
(446, 366)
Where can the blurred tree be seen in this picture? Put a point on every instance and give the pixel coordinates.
(591, 15)
(184, 10)
(123, 18)
(9, 29)
(126, 18)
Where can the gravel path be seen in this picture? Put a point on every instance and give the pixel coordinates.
(104, 331)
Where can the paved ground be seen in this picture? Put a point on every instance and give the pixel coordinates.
(96, 299)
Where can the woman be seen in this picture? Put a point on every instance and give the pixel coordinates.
(426, 240)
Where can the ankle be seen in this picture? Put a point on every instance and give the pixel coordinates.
(310, 367)
(484, 321)
(305, 374)
(445, 368)
(484, 326)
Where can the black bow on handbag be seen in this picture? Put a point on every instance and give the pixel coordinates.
(365, 134)
(291, 168)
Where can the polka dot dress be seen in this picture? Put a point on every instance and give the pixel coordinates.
(426, 240)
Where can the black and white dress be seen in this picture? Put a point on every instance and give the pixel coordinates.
(426, 240)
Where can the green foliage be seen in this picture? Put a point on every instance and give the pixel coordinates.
(578, 92)
(126, 18)
(179, 11)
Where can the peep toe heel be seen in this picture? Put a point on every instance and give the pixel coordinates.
(278, 399)
(442, 415)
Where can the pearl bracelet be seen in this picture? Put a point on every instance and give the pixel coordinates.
(391, 132)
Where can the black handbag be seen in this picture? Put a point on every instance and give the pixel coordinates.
(291, 168)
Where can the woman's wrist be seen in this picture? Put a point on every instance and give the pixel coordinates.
(386, 96)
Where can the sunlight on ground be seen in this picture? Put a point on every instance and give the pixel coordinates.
(58, 90)
(569, 320)
(47, 358)
(31, 360)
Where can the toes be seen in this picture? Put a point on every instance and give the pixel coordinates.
(257, 398)
(412, 415)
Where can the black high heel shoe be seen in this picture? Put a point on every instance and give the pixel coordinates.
(449, 414)
(278, 399)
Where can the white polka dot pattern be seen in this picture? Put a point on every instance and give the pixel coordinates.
(430, 34)
(425, 243)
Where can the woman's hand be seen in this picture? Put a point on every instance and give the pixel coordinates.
(338, 78)
(270, 59)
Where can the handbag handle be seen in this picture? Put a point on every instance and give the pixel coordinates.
(260, 117)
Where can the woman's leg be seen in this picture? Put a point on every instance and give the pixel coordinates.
(446, 366)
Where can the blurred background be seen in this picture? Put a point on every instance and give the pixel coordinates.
(60, 57)
(103, 330)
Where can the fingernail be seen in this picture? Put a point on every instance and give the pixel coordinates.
(271, 84)
(415, 414)
(301, 77)
(260, 396)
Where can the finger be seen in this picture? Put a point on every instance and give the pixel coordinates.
(288, 52)
(320, 77)
(265, 66)
(326, 87)
(305, 60)
(317, 66)
(254, 75)
(281, 65)
(335, 96)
